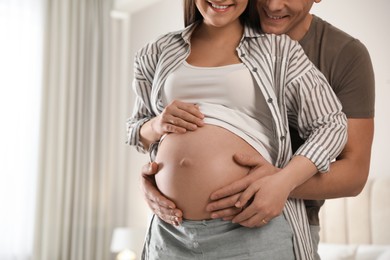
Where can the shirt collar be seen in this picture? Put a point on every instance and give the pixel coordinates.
(187, 32)
(250, 32)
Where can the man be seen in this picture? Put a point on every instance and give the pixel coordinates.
(346, 64)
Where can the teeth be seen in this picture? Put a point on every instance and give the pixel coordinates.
(219, 6)
(274, 17)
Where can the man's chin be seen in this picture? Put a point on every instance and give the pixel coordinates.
(272, 29)
(277, 32)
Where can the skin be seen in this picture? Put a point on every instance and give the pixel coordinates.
(289, 17)
(179, 117)
(347, 175)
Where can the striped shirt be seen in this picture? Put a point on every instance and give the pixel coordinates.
(296, 93)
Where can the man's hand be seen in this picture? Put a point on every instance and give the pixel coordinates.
(224, 201)
(160, 205)
(269, 195)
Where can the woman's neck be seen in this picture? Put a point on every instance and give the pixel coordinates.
(230, 33)
(215, 46)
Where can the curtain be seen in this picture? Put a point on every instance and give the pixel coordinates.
(83, 175)
(21, 33)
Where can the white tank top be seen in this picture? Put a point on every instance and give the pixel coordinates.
(229, 97)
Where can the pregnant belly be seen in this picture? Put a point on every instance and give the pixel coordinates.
(194, 164)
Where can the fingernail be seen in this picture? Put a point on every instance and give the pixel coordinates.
(214, 216)
(238, 204)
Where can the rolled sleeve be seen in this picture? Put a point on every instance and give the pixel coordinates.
(320, 119)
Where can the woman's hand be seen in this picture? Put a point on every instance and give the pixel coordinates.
(178, 117)
(160, 205)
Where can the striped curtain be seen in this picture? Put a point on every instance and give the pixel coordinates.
(83, 179)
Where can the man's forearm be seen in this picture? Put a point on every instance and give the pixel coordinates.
(341, 181)
(347, 175)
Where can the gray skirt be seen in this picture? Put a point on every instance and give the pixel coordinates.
(218, 239)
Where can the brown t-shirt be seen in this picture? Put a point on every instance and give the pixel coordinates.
(347, 66)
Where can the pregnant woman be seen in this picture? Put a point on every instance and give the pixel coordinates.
(217, 87)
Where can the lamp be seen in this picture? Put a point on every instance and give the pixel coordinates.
(123, 240)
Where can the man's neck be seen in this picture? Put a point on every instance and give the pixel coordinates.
(301, 29)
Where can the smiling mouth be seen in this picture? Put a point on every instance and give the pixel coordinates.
(219, 7)
(273, 17)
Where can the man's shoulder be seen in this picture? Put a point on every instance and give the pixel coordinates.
(346, 64)
(321, 25)
(327, 43)
(329, 36)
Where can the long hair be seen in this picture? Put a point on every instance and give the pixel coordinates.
(249, 17)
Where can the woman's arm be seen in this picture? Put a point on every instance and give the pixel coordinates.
(177, 117)
(142, 110)
(146, 125)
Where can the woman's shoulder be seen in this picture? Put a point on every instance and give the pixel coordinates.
(280, 47)
(157, 45)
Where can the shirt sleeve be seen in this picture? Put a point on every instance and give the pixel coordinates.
(317, 113)
(142, 111)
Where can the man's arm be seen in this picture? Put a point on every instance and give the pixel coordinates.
(347, 175)
(346, 178)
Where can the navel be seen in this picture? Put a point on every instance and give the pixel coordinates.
(185, 162)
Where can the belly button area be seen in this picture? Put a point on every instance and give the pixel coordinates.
(185, 162)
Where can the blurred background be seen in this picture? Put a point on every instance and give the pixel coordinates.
(69, 185)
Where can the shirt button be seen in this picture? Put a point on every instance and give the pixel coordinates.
(196, 244)
(282, 138)
(243, 55)
(269, 100)
(254, 69)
